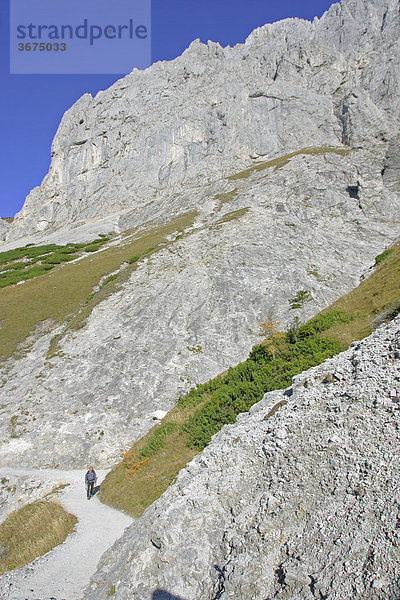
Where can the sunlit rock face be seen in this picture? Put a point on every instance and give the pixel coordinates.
(141, 147)
(285, 148)
(298, 505)
(4, 227)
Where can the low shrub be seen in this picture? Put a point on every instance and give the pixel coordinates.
(17, 276)
(383, 256)
(157, 439)
(246, 384)
(323, 321)
(109, 279)
(133, 259)
(56, 258)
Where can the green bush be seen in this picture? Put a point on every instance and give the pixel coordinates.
(197, 394)
(78, 246)
(134, 259)
(323, 322)
(157, 439)
(19, 266)
(56, 259)
(244, 385)
(383, 256)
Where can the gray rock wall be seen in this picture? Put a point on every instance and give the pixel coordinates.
(321, 99)
(193, 308)
(299, 505)
(4, 227)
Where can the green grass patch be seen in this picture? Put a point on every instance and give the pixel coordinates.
(281, 161)
(107, 280)
(133, 259)
(31, 532)
(383, 256)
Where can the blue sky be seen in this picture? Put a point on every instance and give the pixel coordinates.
(31, 106)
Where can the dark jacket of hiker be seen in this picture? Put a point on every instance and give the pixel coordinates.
(90, 476)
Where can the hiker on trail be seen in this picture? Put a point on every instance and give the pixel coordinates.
(90, 480)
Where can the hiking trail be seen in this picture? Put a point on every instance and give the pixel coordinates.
(63, 573)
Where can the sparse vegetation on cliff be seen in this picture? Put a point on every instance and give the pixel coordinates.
(16, 265)
(199, 414)
(207, 407)
(63, 292)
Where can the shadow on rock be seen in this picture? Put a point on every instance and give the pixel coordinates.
(164, 595)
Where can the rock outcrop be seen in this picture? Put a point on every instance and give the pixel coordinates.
(297, 500)
(317, 107)
(4, 227)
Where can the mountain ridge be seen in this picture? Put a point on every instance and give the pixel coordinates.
(181, 121)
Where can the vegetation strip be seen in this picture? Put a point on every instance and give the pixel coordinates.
(281, 161)
(16, 265)
(150, 465)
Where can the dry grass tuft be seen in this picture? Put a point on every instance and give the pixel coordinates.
(32, 531)
(281, 161)
(374, 297)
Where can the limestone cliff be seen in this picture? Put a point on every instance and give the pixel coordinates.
(285, 147)
(4, 227)
(141, 148)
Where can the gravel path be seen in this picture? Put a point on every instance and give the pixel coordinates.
(63, 573)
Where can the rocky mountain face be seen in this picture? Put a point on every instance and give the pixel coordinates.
(139, 149)
(297, 500)
(286, 150)
(4, 227)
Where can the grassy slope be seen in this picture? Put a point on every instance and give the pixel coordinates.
(23, 306)
(377, 294)
(132, 489)
(32, 531)
(30, 261)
